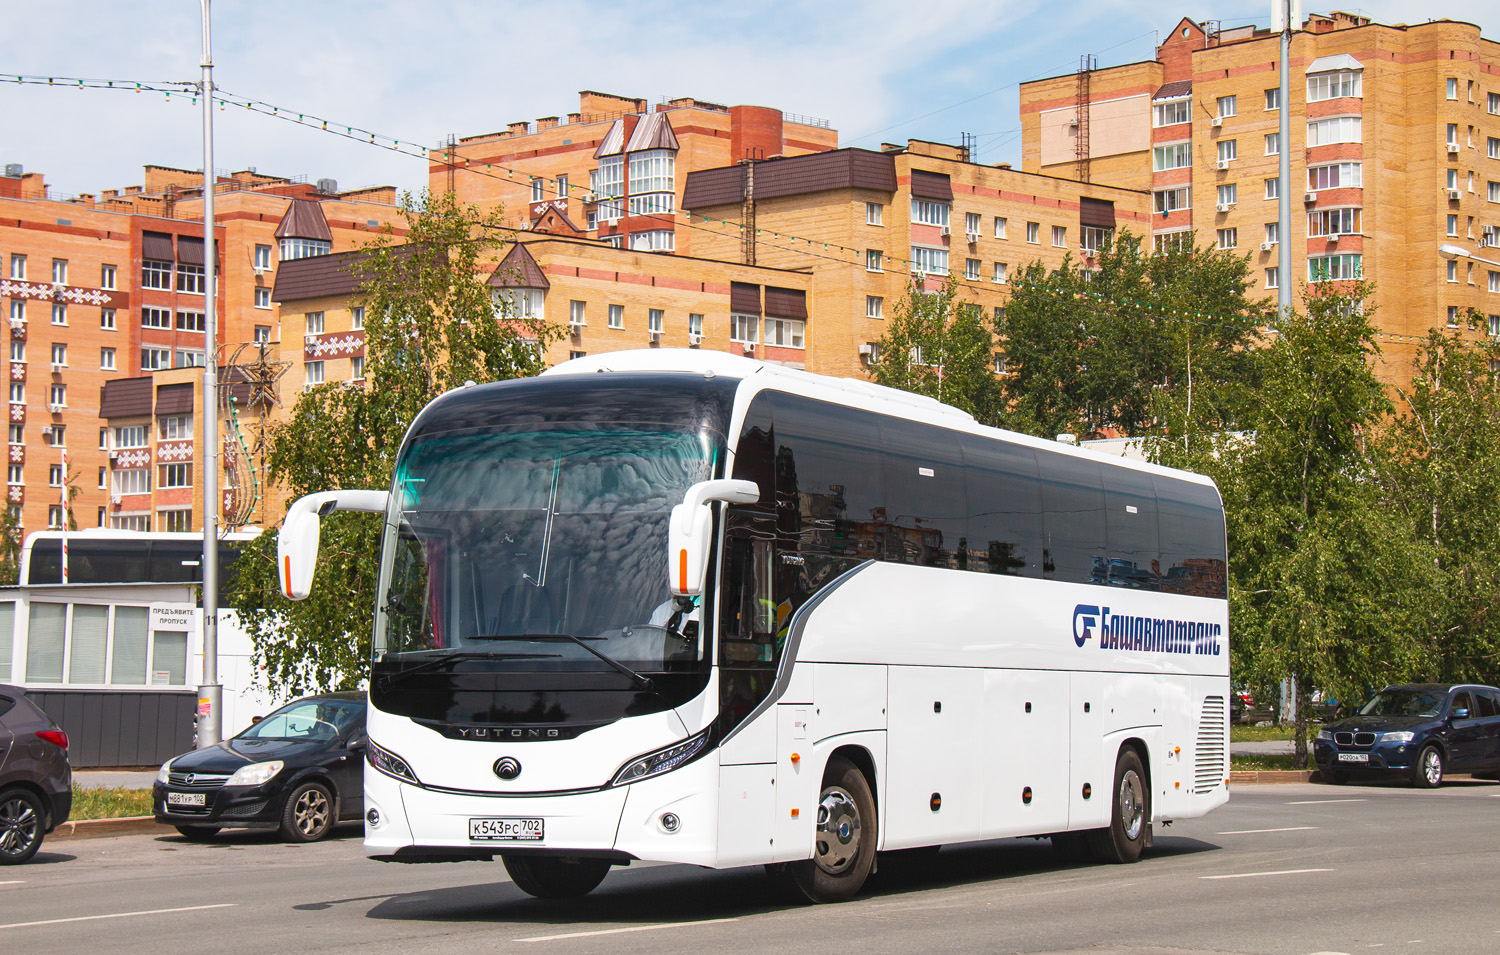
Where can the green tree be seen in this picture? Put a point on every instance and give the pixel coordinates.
(431, 324)
(1103, 347)
(11, 539)
(940, 346)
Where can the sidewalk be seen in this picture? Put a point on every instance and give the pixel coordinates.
(1275, 747)
(109, 779)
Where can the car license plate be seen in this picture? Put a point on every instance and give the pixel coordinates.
(186, 799)
(505, 830)
(1354, 757)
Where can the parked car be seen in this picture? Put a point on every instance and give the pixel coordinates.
(36, 782)
(1244, 709)
(298, 770)
(1420, 730)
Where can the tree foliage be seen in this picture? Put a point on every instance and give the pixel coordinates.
(431, 324)
(940, 346)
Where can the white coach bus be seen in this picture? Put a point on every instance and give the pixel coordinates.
(687, 607)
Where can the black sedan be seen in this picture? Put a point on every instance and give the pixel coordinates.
(298, 770)
(36, 782)
(1420, 730)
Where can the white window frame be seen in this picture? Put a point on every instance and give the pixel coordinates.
(1171, 112)
(874, 306)
(874, 213)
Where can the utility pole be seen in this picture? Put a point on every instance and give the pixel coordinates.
(1284, 170)
(210, 691)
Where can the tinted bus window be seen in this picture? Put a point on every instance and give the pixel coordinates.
(1193, 558)
(1130, 529)
(1005, 507)
(924, 495)
(1073, 509)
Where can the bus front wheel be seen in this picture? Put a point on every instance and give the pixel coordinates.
(548, 878)
(1129, 815)
(844, 847)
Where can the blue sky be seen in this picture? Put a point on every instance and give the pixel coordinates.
(879, 70)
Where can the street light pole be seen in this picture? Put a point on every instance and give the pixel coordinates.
(210, 691)
(1284, 172)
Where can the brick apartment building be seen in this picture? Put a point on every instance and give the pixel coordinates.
(615, 169)
(1395, 151)
(100, 288)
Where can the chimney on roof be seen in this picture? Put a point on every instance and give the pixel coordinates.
(1002, 165)
(132, 190)
(575, 118)
(891, 148)
(546, 122)
(518, 129)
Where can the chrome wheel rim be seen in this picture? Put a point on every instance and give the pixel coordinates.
(18, 826)
(1132, 805)
(1432, 767)
(310, 814)
(838, 831)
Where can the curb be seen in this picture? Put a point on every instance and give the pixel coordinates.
(1255, 777)
(93, 828)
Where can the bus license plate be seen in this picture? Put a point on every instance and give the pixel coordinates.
(1354, 757)
(505, 830)
(186, 799)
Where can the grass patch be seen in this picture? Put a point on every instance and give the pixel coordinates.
(1268, 734)
(1266, 761)
(102, 803)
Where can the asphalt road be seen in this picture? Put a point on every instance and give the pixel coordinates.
(1282, 869)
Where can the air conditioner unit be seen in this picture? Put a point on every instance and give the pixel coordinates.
(576, 328)
(58, 366)
(1452, 195)
(694, 339)
(18, 323)
(1073, 123)
(655, 337)
(749, 348)
(1223, 164)
(55, 408)
(590, 197)
(1267, 246)
(1310, 197)
(311, 339)
(946, 231)
(260, 270)
(1216, 122)
(1225, 206)
(1453, 149)
(973, 238)
(1333, 238)
(866, 349)
(114, 499)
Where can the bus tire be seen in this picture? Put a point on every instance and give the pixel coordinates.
(1130, 814)
(844, 850)
(548, 878)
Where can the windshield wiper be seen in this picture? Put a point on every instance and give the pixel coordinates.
(390, 679)
(642, 681)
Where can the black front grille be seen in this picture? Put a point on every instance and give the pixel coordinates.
(186, 810)
(1354, 739)
(197, 781)
(245, 811)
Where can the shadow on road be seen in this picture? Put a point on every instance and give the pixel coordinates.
(238, 838)
(50, 858)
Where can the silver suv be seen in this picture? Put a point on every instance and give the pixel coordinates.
(36, 782)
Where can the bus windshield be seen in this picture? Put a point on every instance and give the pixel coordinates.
(539, 549)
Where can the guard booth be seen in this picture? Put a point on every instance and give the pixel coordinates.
(115, 656)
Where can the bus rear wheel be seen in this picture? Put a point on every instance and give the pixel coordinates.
(844, 848)
(548, 878)
(1130, 814)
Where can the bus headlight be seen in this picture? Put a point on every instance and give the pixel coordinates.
(390, 764)
(661, 761)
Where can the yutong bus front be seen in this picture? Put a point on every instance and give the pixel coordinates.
(537, 687)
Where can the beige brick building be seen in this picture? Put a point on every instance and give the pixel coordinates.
(1395, 151)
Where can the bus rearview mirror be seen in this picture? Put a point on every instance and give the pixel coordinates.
(690, 529)
(297, 543)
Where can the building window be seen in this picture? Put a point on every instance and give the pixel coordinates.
(744, 328)
(874, 260)
(17, 351)
(174, 475)
(18, 267)
(538, 189)
(57, 437)
(1229, 193)
(929, 261)
(617, 316)
(1493, 101)
(1452, 316)
(1002, 273)
(611, 188)
(17, 310)
(58, 396)
(155, 318)
(1339, 129)
(1452, 87)
(357, 368)
(1272, 274)
(54, 475)
(695, 324)
(874, 213)
(107, 277)
(1175, 156)
(106, 318)
(1229, 149)
(1340, 175)
(874, 306)
(190, 278)
(1229, 238)
(262, 334)
(971, 224)
(190, 321)
(17, 393)
(312, 373)
(357, 318)
(59, 313)
(1492, 191)
(1228, 105)
(1000, 223)
(784, 332)
(1060, 237)
(54, 517)
(1333, 85)
(15, 474)
(576, 314)
(130, 481)
(1273, 188)
(18, 434)
(155, 359)
(313, 323)
(156, 274)
(262, 298)
(927, 212)
(1170, 113)
(298, 248)
(130, 522)
(653, 181)
(1034, 232)
(103, 478)
(106, 359)
(1494, 278)
(562, 187)
(1170, 200)
(130, 436)
(178, 521)
(1452, 271)
(971, 269)
(60, 271)
(1325, 268)
(262, 258)
(654, 320)
(1334, 222)
(527, 303)
(1452, 225)
(1273, 144)
(653, 240)
(175, 427)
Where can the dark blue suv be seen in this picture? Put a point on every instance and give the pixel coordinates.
(1418, 730)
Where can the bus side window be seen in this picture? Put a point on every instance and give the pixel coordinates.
(1131, 529)
(1193, 555)
(926, 512)
(1073, 509)
(1005, 508)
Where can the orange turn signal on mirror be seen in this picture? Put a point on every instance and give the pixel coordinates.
(796, 758)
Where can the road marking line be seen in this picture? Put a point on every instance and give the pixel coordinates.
(120, 915)
(14, 882)
(619, 931)
(1320, 802)
(1246, 832)
(1330, 953)
(1238, 875)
